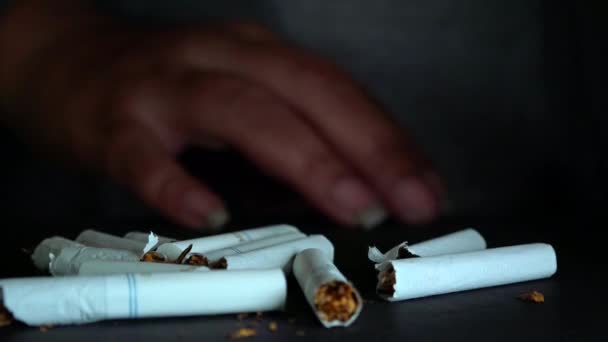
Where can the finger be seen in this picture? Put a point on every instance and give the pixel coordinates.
(357, 128)
(272, 135)
(140, 160)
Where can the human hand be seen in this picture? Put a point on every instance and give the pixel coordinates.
(127, 101)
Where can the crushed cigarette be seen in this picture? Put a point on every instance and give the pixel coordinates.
(273, 326)
(197, 259)
(182, 256)
(532, 297)
(243, 333)
(6, 318)
(336, 300)
(153, 257)
(387, 282)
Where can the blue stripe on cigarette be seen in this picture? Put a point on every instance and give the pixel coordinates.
(238, 251)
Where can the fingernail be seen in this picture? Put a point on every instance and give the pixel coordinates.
(217, 219)
(371, 217)
(196, 210)
(352, 194)
(415, 201)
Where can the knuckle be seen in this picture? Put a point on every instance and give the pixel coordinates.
(320, 166)
(233, 95)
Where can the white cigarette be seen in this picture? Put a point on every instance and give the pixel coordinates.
(70, 258)
(53, 245)
(210, 243)
(252, 245)
(420, 277)
(280, 255)
(95, 238)
(84, 299)
(467, 240)
(144, 237)
(98, 267)
(334, 299)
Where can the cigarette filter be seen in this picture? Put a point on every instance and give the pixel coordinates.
(420, 277)
(466, 240)
(334, 299)
(53, 245)
(83, 299)
(280, 255)
(210, 243)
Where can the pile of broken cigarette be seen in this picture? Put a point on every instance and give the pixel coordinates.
(98, 276)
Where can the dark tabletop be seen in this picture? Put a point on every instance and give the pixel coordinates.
(574, 295)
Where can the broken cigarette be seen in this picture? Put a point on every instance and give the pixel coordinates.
(420, 277)
(98, 267)
(280, 255)
(334, 299)
(467, 240)
(248, 246)
(70, 258)
(205, 244)
(144, 237)
(95, 238)
(83, 299)
(51, 246)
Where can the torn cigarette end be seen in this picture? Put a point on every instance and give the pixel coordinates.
(243, 332)
(533, 297)
(387, 282)
(405, 253)
(336, 301)
(153, 257)
(273, 326)
(182, 256)
(197, 260)
(6, 318)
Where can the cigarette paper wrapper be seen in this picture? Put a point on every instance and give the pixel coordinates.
(280, 256)
(467, 240)
(428, 276)
(214, 242)
(69, 259)
(51, 246)
(98, 267)
(84, 299)
(253, 245)
(98, 239)
(313, 269)
(145, 237)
